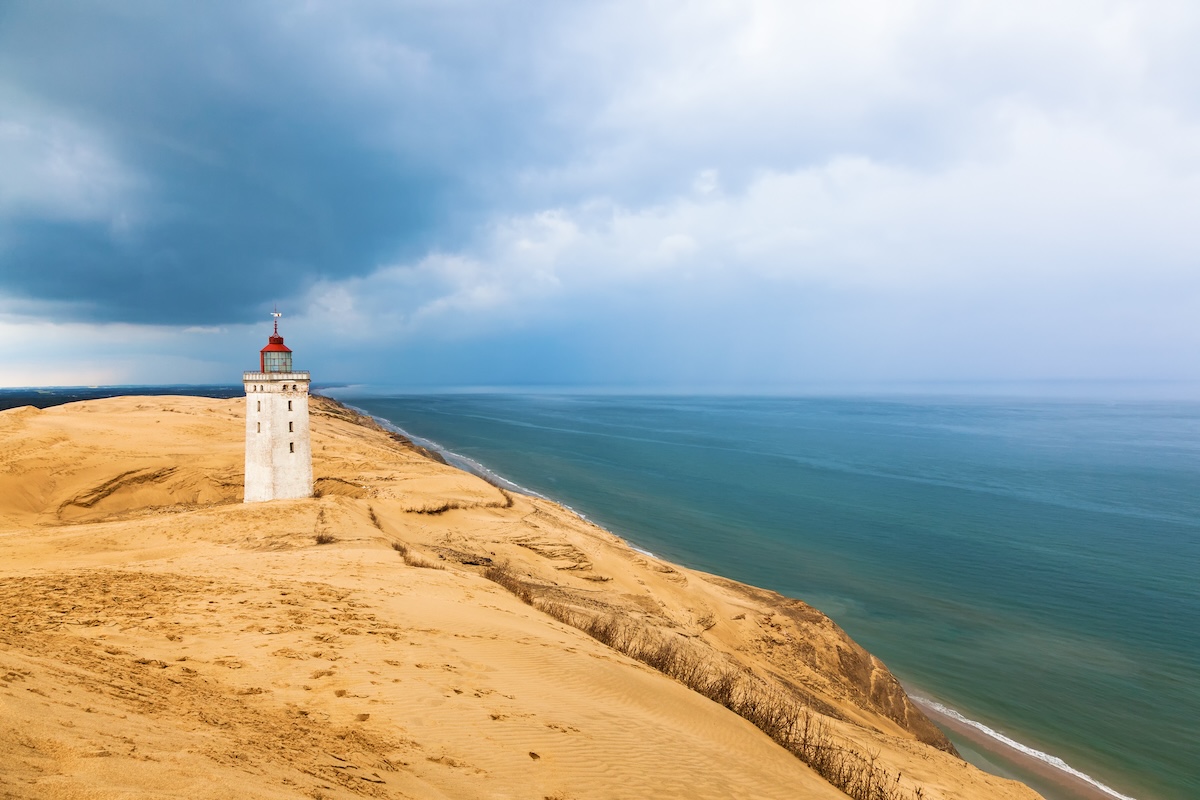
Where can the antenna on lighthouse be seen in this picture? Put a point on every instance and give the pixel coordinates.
(276, 314)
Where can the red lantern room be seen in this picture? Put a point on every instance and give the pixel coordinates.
(275, 357)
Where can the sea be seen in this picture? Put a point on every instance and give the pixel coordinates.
(1028, 568)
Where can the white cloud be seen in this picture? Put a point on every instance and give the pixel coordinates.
(1059, 196)
(776, 85)
(1064, 234)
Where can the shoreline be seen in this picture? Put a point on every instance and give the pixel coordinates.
(1035, 762)
(468, 464)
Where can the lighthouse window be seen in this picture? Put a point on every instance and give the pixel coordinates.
(289, 405)
(291, 447)
(290, 428)
(260, 427)
(259, 406)
(276, 361)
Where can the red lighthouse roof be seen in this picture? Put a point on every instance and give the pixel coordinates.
(280, 358)
(275, 345)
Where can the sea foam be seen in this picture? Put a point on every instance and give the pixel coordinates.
(1046, 758)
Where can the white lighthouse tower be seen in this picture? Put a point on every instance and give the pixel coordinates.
(278, 447)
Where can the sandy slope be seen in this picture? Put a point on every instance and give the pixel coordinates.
(160, 638)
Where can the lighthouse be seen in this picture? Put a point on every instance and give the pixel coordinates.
(278, 446)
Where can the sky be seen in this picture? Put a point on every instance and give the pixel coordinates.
(704, 195)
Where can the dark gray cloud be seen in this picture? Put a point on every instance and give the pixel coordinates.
(270, 146)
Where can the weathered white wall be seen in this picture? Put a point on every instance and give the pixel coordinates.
(278, 460)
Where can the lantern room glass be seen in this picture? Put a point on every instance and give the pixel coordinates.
(277, 361)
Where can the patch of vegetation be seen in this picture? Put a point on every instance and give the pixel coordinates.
(414, 559)
(442, 508)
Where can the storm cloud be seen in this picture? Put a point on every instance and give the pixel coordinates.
(701, 193)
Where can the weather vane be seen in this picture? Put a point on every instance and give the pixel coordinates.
(276, 314)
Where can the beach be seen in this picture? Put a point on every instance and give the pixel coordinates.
(161, 636)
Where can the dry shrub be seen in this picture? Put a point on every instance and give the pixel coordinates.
(455, 505)
(442, 508)
(508, 498)
(504, 576)
(325, 538)
(414, 559)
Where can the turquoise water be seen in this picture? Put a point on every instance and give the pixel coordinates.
(1033, 565)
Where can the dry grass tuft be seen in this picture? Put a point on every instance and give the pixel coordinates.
(325, 538)
(508, 498)
(504, 576)
(441, 508)
(414, 559)
(455, 505)
(374, 518)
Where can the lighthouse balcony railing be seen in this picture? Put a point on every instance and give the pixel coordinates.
(293, 375)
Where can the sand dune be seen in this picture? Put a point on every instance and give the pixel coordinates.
(159, 638)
